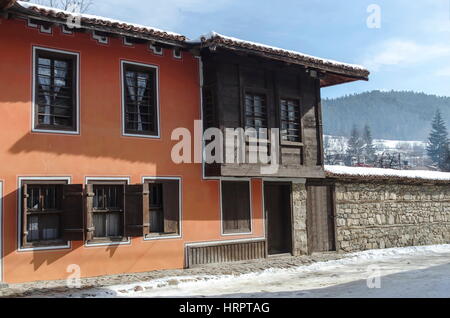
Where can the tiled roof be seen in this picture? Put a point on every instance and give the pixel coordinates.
(216, 39)
(101, 21)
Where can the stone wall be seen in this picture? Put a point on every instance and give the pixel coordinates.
(300, 237)
(371, 216)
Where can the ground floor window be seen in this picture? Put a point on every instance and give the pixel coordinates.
(106, 210)
(164, 207)
(236, 208)
(52, 213)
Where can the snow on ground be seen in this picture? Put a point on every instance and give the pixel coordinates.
(405, 272)
(378, 172)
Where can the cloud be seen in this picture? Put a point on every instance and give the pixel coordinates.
(403, 53)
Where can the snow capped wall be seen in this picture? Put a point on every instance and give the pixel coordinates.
(360, 172)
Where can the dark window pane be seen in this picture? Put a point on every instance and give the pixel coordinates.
(255, 111)
(43, 212)
(290, 120)
(140, 100)
(54, 87)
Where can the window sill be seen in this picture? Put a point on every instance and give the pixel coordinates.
(59, 244)
(160, 236)
(108, 241)
(55, 131)
(127, 134)
(237, 232)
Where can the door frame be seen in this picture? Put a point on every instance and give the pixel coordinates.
(266, 217)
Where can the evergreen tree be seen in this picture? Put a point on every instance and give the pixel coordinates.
(437, 147)
(355, 147)
(369, 149)
(445, 165)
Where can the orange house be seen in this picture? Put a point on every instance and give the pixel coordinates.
(88, 185)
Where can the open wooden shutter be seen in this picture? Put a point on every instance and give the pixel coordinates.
(136, 201)
(171, 206)
(25, 197)
(72, 215)
(89, 207)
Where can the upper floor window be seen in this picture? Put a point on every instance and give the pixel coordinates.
(140, 98)
(290, 120)
(55, 91)
(255, 111)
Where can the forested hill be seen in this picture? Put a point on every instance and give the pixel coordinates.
(391, 115)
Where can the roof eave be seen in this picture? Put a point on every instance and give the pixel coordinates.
(22, 12)
(345, 73)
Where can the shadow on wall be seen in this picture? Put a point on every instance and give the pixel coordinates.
(100, 145)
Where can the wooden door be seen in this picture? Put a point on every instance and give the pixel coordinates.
(320, 221)
(277, 202)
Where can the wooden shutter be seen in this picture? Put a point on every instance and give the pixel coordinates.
(171, 206)
(89, 204)
(236, 206)
(72, 215)
(25, 197)
(136, 207)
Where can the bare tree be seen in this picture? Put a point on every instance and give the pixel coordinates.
(81, 6)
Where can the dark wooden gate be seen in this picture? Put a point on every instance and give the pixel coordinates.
(320, 219)
(277, 202)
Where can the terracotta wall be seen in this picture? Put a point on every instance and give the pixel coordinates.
(101, 151)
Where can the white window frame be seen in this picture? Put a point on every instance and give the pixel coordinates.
(152, 47)
(101, 39)
(122, 88)
(112, 179)
(177, 57)
(180, 198)
(19, 214)
(249, 180)
(77, 90)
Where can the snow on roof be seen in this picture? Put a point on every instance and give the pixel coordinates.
(378, 173)
(211, 39)
(217, 38)
(89, 18)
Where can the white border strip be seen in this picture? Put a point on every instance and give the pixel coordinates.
(180, 193)
(122, 88)
(33, 98)
(249, 180)
(19, 214)
(112, 179)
